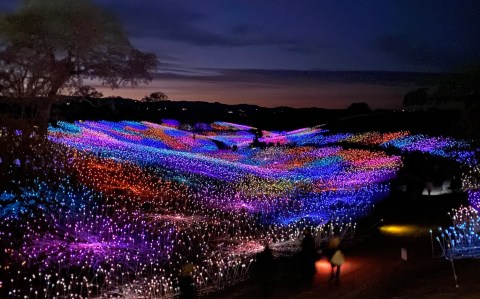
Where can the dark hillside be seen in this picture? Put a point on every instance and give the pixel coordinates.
(433, 121)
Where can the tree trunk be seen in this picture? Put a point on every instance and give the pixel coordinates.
(43, 115)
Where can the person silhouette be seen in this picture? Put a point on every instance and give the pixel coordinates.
(265, 270)
(429, 186)
(335, 257)
(187, 284)
(308, 255)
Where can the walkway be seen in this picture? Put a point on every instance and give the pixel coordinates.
(374, 268)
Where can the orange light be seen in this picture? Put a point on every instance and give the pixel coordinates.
(402, 230)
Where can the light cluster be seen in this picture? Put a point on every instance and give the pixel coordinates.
(458, 150)
(462, 239)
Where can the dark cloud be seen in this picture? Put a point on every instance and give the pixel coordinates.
(169, 70)
(164, 21)
(282, 77)
(411, 35)
(172, 21)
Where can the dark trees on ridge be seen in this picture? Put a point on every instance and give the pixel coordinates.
(416, 98)
(86, 91)
(459, 92)
(157, 96)
(359, 108)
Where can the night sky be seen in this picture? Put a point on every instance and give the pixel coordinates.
(298, 53)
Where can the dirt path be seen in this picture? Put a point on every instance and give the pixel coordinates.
(374, 268)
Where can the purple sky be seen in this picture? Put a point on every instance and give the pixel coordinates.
(275, 53)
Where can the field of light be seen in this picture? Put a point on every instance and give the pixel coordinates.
(137, 201)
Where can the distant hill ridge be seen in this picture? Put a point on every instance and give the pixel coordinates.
(435, 122)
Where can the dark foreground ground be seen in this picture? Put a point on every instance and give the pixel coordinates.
(374, 268)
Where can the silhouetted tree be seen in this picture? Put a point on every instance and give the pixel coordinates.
(416, 99)
(462, 88)
(87, 92)
(462, 92)
(49, 45)
(459, 92)
(157, 96)
(359, 108)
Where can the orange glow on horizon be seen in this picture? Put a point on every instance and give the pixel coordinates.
(322, 95)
